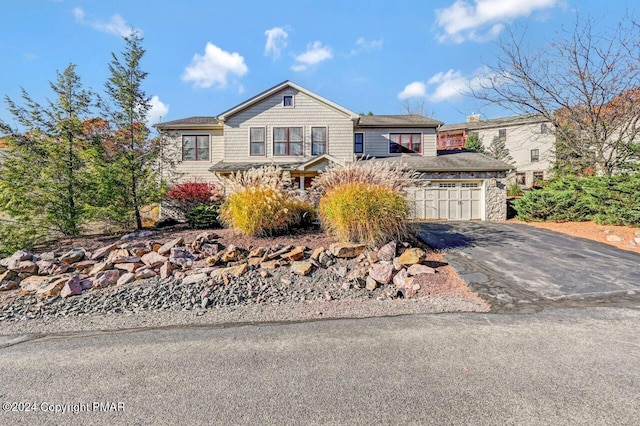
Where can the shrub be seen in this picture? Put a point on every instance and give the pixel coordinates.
(204, 216)
(263, 212)
(364, 201)
(262, 202)
(393, 176)
(364, 213)
(605, 200)
(182, 198)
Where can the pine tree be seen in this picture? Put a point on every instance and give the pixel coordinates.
(45, 178)
(498, 150)
(129, 181)
(473, 143)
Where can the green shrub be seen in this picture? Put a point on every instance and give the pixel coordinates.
(605, 200)
(364, 213)
(203, 216)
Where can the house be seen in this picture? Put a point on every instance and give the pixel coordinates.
(530, 140)
(303, 133)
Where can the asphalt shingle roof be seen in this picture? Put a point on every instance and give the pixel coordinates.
(397, 121)
(494, 123)
(189, 122)
(451, 161)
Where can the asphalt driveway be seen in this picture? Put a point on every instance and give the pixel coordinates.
(519, 268)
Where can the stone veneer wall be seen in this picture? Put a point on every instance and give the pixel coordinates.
(495, 189)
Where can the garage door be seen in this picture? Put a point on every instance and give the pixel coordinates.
(446, 200)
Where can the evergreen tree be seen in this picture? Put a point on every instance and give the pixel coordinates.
(498, 150)
(128, 178)
(45, 177)
(473, 143)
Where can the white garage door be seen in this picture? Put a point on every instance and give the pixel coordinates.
(446, 200)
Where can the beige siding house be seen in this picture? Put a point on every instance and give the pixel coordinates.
(303, 133)
(530, 140)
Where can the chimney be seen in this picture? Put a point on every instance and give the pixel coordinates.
(473, 118)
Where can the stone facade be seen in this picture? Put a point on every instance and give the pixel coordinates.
(495, 189)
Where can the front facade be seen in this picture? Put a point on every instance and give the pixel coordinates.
(529, 139)
(302, 132)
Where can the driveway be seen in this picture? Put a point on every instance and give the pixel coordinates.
(518, 268)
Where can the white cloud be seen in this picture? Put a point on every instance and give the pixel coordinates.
(315, 54)
(483, 20)
(364, 45)
(214, 67)
(417, 89)
(276, 41)
(454, 84)
(158, 110)
(116, 25)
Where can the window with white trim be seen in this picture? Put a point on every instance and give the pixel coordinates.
(195, 147)
(405, 142)
(287, 141)
(502, 134)
(287, 101)
(257, 141)
(318, 140)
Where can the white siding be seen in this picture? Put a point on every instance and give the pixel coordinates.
(521, 139)
(269, 113)
(376, 141)
(195, 170)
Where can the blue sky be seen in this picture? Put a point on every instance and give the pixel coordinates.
(206, 56)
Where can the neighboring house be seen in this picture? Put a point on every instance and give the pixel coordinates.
(303, 133)
(529, 139)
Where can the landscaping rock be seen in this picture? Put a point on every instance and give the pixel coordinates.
(371, 284)
(9, 280)
(233, 271)
(73, 256)
(32, 284)
(387, 252)
(106, 279)
(402, 280)
(126, 278)
(99, 267)
(128, 267)
(53, 288)
(295, 254)
(419, 269)
(346, 250)
(71, 287)
(195, 278)
(613, 238)
(317, 252)
(411, 256)
(24, 267)
(166, 248)
(301, 267)
(165, 270)
(143, 274)
(381, 272)
(103, 251)
(153, 259)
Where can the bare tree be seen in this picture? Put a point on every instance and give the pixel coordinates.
(585, 82)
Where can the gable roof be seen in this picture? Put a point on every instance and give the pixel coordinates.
(407, 120)
(190, 123)
(275, 89)
(495, 123)
(451, 161)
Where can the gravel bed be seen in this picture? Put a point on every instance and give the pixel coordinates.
(250, 298)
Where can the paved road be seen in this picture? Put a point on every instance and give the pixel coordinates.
(519, 268)
(558, 367)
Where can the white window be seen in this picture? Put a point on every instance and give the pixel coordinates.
(257, 141)
(287, 101)
(318, 140)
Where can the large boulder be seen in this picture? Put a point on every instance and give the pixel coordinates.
(381, 272)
